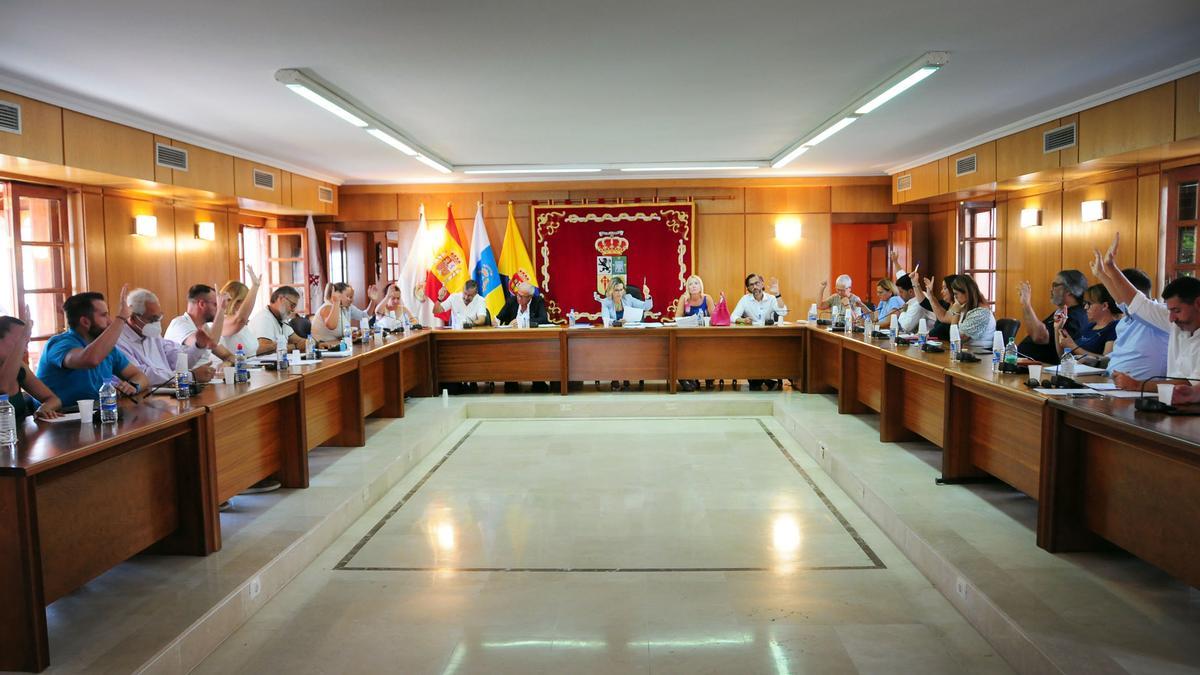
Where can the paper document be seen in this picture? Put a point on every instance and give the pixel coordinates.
(1063, 392)
(66, 417)
(1101, 386)
(334, 355)
(1118, 393)
(687, 321)
(1080, 370)
(632, 315)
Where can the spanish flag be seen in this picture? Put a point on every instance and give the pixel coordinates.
(515, 266)
(449, 268)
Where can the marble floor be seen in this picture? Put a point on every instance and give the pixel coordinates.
(614, 545)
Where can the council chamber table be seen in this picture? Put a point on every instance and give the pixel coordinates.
(78, 499)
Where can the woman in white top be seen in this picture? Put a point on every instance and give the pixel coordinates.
(391, 308)
(238, 309)
(612, 306)
(329, 322)
(976, 323)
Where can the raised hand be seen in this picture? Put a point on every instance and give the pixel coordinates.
(929, 286)
(597, 297)
(123, 310)
(374, 293)
(645, 290)
(223, 301)
(824, 285)
(1111, 256)
(419, 291)
(1025, 293)
(45, 412)
(254, 278)
(774, 287)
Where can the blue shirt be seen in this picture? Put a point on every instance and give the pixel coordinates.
(1140, 350)
(892, 304)
(1093, 340)
(70, 384)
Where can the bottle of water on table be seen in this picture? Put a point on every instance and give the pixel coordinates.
(8, 422)
(241, 372)
(183, 378)
(108, 402)
(1066, 367)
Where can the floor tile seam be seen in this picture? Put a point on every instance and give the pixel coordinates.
(1050, 664)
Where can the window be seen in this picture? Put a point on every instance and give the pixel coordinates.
(977, 234)
(1183, 219)
(392, 273)
(36, 275)
(287, 263)
(339, 271)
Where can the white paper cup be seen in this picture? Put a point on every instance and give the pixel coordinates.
(1035, 373)
(295, 355)
(230, 374)
(607, 322)
(86, 410)
(1165, 392)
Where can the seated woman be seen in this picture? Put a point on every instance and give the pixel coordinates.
(15, 376)
(890, 303)
(940, 306)
(612, 310)
(391, 309)
(330, 321)
(976, 323)
(1095, 341)
(238, 308)
(693, 302)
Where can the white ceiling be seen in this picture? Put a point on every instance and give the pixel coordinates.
(560, 82)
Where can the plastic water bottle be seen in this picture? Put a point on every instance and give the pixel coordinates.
(571, 318)
(281, 358)
(922, 332)
(848, 324)
(241, 373)
(955, 340)
(868, 326)
(835, 313)
(405, 324)
(183, 378)
(108, 402)
(8, 422)
(893, 333)
(377, 331)
(1010, 352)
(1066, 367)
(812, 313)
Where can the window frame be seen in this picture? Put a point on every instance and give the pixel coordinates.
(967, 240)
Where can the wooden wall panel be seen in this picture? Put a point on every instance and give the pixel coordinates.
(436, 207)
(943, 244)
(985, 167)
(41, 136)
(1020, 154)
(800, 267)
(1080, 238)
(357, 207)
(1032, 254)
(612, 194)
(721, 253)
(1187, 107)
(243, 175)
(96, 260)
(861, 199)
(141, 261)
(788, 200)
(1142, 120)
(1150, 221)
(207, 170)
(198, 261)
(304, 194)
(99, 145)
(708, 200)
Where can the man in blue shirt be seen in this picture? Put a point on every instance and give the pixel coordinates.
(77, 362)
(1140, 351)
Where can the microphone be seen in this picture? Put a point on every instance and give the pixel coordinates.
(1153, 405)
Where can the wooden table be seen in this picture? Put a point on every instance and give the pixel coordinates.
(77, 499)
(256, 431)
(738, 352)
(333, 401)
(499, 355)
(618, 354)
(823, 361)
(914, 395)
(1112, 473)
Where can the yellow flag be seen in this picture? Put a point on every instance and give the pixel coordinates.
(515, 265)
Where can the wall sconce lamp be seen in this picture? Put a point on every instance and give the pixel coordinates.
(145, 226)
(1091, 211)
(206, 230)
(1031, 217)
(787, 230)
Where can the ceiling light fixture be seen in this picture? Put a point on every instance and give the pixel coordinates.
(728, 167)
(496, 171)
(313, 89)
(910, 75)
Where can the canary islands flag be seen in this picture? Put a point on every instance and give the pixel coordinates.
(483, 266)
(515, 266)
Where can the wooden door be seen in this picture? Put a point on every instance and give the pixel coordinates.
(877, 264)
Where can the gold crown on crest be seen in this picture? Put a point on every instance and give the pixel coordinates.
(612, 243)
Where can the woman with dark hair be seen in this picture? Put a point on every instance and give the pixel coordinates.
(976, 323)
(1098, 338)
(940, 306)
(15, 376)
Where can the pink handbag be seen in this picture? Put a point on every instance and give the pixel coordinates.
(720, 315)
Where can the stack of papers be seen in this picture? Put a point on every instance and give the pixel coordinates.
(1080, 370)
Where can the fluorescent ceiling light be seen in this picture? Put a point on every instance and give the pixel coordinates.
(838, 126)
(897, 89)
(786, 159)
(392, 141)
(432, 163)
(690, 168)
(325, 103)
(493, 171)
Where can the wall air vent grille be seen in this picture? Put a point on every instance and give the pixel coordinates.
(10, 117)
(965, 165)
(264, 179)
(171, 157)
(1059, 139)
(324, 194)
(904, 182)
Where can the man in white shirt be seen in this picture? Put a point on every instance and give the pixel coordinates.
(194, 329)
(1179, 316)
(142, 342)
(270, 324)
(757, 306)
(910, 317)
(468, 305)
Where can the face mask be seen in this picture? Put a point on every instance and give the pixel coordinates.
(152, 330)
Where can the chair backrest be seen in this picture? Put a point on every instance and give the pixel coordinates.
(302, 325)
(1009, 328)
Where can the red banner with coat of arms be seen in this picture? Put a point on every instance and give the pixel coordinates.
(579, 248)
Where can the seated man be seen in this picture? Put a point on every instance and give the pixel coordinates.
(78, 361)
(1140, 351)
(198, 330)
(524, 308)
(142, 343)
(759, 307)
(843, 298)
(467, 305)
(270, 324)
(1179, 317)
(1066, 292)
(910, 317)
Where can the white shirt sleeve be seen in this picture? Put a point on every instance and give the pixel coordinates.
(739, 310)
(1151, 312)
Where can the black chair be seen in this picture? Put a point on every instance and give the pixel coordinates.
(302, 325)
(1008, 328)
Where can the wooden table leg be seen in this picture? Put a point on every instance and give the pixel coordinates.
(23, 641)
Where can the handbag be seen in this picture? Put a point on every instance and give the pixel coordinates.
(720, 316)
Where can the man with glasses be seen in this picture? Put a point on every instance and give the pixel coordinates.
(271, 323)
(142, 342)
(1066, 292)
(195, 329)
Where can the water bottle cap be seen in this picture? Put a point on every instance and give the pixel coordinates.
(3, 397)
(240, 346)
